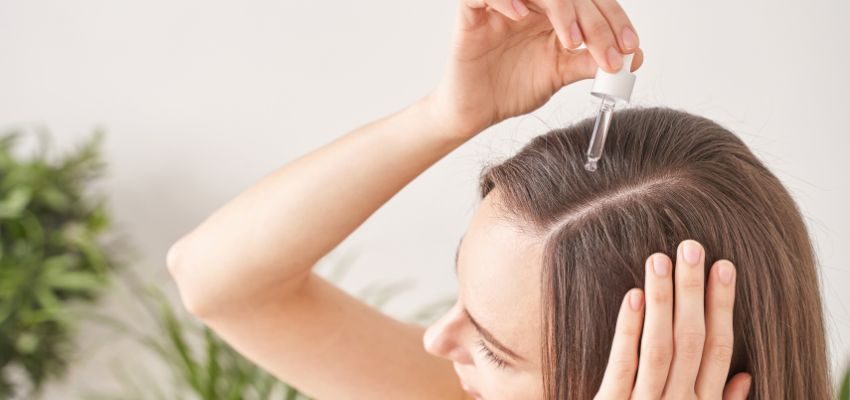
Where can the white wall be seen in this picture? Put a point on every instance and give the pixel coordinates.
(202, 98)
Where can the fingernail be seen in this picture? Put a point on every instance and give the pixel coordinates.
(726, 271)
(659, 265)
(691, 251)
(520, 7)
(575, 34)
(635, 300)
(615, 58)
(629, 38)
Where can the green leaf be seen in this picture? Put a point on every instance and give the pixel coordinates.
(53, 198)
(78, 281)
(55, 265)
(13, 205)
(98, 219)
(27, 343)
(47, 299)
(213, 367)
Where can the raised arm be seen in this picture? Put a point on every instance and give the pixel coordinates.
(246, 270)
(265, 241)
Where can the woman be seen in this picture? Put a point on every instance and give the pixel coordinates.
(551, 266)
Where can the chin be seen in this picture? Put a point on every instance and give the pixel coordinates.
(471, 391)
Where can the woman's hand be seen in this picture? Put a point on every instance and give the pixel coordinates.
(686, 347)
(504, 64)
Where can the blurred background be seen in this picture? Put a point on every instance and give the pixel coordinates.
(156, 113)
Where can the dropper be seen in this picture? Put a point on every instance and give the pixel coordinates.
(610, 87)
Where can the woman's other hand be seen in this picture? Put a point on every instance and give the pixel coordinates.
(508, 57)
(686, 347)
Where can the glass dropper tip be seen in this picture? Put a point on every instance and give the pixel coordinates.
(600, 132)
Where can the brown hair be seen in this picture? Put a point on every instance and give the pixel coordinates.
(665, 176)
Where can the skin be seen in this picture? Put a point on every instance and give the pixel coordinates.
(262, 295)
(498, 273)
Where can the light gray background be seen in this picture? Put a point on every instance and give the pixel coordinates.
(200, 99)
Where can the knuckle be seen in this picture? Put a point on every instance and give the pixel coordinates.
(723, 303)
(661, 296)
(658, 356)
(690, 344)
(599, 28)
(629, 331)
(623, 367)
(720, 349)
(691, 283)
(689, 396)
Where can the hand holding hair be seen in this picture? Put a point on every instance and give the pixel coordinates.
(678, 342)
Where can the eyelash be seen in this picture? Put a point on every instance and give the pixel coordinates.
(492, 357)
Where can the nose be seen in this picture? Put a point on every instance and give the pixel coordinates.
(445, 337)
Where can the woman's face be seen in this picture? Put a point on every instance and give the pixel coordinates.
(492, 333)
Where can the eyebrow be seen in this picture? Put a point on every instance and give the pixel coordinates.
(484, 332)
(457, 252)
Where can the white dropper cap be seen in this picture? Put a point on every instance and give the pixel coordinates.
(615, 85)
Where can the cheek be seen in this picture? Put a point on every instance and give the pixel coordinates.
(497, 384)
(508, 384)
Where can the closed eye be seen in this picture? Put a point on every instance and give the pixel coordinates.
(490, 356)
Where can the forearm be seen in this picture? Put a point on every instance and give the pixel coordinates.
(271, 235)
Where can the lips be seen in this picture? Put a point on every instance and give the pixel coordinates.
(466, 387)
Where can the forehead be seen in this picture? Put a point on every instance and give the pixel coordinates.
(499, 278)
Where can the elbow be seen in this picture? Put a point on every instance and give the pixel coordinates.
(189, 285)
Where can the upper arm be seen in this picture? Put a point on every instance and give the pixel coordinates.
(330, 345)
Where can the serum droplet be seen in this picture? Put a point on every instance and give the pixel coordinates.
(590, 165)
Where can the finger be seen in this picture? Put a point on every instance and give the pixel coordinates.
(473, 12)
(656, 347)
(622, 363)
(598, 36)
(575, 65)
(475, 3)
(625, 32)
(562, 16)
(738, 387)
(688, 320)
(718, 331)
(637, 60)
(513, 9)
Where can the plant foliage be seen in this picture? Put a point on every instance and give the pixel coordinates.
(51, 256)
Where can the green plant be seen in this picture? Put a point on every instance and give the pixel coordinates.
(205, 367)
(844, 386)
(51, 257)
